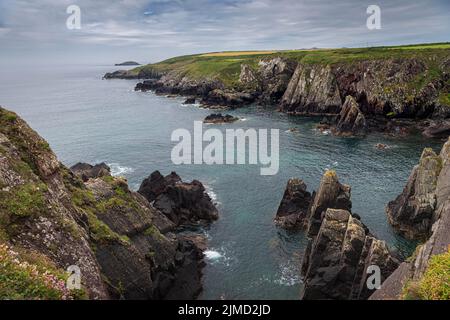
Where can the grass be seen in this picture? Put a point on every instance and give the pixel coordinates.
(236, 53)
(24, 200)
(27, 275)
(225, 66)
(435, 283)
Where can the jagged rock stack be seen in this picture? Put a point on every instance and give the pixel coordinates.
(341, 247)
(412, 212)
(183, 203)
(294, 206)
(351, 121)
(337, 259)
(423, 209)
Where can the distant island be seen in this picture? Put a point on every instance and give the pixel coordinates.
(128, 63)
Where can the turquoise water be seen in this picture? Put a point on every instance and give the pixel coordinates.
(88, 119)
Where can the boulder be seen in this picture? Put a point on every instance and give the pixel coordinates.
(219, 118)
(190, 100)
(351, 120)
(294, 206)
(337, 259)
(183, 203)
(438, 129)
(86, 171)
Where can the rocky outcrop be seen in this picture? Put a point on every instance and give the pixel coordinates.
(228, 98)
(312, 90)
(401, 284)
(337, 259)
(294, 206)
(85, 171)
(190, 100)
(183, 203)
(138, 73)
(331, 194)
(351, 121)
(270, 79)
(385, 90)
(437, 129)
(219, 118)
(124, 247)
(412, 212)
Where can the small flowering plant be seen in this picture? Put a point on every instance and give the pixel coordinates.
(21, 280)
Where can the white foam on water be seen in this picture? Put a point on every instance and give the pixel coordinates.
(211, 194)
(219, 256)
(212, 255)
(289, 275)
(118, 170)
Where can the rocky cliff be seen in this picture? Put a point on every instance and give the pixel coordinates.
(341, 248)
(384, 84)
(52, 218)
(423, 210)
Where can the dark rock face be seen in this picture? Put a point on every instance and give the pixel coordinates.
(351, 120)
(86, 171)
(294, 206)
(219, 118)
(144, 262)
(412, 212)
(312, 90)
(124, 247)
(228, 98)
(183, 203)
(331, 194)
(438, 129)
(439, 236)
(270, 79)
(337, 258)
(190, 101)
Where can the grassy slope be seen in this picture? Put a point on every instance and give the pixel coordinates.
(225, 66)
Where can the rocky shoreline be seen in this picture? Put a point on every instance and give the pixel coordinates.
(341, 248)
(126, 244)
(359, 98)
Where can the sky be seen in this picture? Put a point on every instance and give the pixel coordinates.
(33, 31)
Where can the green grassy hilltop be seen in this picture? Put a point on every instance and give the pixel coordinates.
(225, 66)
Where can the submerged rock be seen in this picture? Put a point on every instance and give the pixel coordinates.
(412, 212)
(382, 146)
(351, 121)
(294, 206)
(336, 260)
(183, 203)
(219, 118)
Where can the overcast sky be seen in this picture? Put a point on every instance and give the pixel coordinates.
(151, 30)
